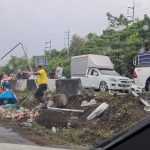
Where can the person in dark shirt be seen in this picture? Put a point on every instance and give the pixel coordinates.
(147, 46)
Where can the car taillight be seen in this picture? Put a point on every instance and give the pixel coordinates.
(134, 74)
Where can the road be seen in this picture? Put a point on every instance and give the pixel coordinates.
(9, 136)
(10, 140)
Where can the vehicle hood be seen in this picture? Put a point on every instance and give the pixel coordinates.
(116, 77)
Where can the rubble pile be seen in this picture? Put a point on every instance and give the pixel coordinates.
(100, 113)
(79, 119)
(20, 115)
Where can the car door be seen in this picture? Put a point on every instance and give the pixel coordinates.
(93, 78)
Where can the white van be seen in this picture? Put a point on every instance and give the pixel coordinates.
(97, 71)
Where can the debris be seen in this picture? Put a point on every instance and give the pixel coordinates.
(134, 94)
(27, 124)
(69, 110)
(147, 108)
(136, 88)
(54, 129)
(19, 115)
(9, 106)
(60, 100)
(98, 111)
(88, 93)
(143, 101)
(85, 103)
(8, 97)
(50, 103)
(73, 119)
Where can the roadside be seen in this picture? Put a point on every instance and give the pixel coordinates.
(51, 128)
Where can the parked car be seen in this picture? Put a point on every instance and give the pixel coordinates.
(97, 71)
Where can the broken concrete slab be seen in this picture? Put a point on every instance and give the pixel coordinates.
(98, 111)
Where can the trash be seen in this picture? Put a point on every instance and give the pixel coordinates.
(98, 111)
(136, 88)
(54, 129)
(9, 106)
(27, 124)
(9, 96)
(85, 103)
(50, 103)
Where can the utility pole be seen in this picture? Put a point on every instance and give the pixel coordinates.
(48, 45)
(67, 40)
(131, 12)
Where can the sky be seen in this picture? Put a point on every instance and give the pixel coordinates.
(34, 22)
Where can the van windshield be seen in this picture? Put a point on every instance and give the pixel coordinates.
(109, 72)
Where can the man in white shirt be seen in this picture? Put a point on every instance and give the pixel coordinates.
(59, 72)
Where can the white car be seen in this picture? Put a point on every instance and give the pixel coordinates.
(105, 79)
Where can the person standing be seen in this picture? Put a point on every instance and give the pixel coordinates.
(6, 81)
(42, 82)
(59, 71)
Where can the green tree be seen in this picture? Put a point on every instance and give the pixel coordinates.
(76, 44)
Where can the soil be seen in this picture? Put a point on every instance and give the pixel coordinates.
(74, 129)
(123, 113)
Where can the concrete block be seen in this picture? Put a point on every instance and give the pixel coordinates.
(69, 87)
(31, 85)
(52, 85)
(21, 85)
(98, 111)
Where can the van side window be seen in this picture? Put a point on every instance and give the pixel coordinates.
(94, 73)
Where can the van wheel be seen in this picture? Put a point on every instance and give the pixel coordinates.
(103, 86)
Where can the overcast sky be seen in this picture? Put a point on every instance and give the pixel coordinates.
(35, 21)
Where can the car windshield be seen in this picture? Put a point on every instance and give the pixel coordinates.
(109, 72)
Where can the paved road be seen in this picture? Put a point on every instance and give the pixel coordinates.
(8, 136)
(4, 146)
(10, 140)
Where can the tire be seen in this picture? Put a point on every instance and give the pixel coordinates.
(103, 86)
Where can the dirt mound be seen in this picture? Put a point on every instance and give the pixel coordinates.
(123, 112)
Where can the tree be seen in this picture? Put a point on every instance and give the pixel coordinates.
(76, 44)
(117, 21)
(15, 64)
